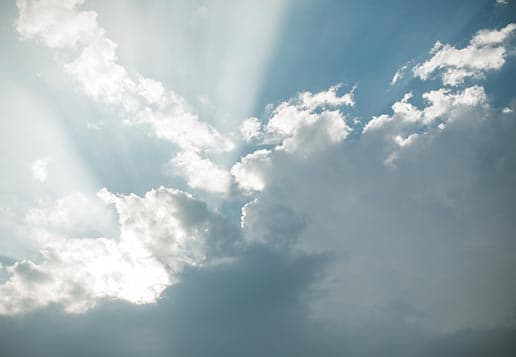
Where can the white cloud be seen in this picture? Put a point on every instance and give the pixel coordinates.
(485, 52)
(441, 102)
(377, 122)
(184, 129)
(251, 129)
(201, 173)
(40, 170)
(502, 2)
(405, 110)
(304, 125)
(328, 98)
(248, 172)
(402, 142)
(76, 273)
(493, 37)
(160, 234)
(398, 75)
(56, 23)
(101, 77)
(153, 91)
(170, 224)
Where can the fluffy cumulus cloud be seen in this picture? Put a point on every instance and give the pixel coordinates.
(248, 171)
(62, 25)
(487, 51)
(309, 122)
(304, 124)
(250, 129)
(160, 234)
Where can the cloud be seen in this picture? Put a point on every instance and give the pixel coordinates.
(328, 98)
(40, 170)
(251, 129)
(248, 171)
(441, 104)
(101, 77)
(243, 308)
(184, 129)
(160, 234)
(307, 123)
(486, 51)
(248, 305)
(398, 75)
(412, 218)
(408, 211)
(304, 125)
(201, 173)
(56, 23)
(302, 131)
(408, 123)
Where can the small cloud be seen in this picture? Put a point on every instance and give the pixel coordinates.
(502, 2)
(94, 126)
(250, 129)
(249, 172)
(507, 110)
(487, 51)
(40, 170)
(398, 75)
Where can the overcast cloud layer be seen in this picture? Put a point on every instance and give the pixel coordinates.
(258, 178)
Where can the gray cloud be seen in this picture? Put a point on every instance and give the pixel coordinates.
(254, 307)
(433, 232)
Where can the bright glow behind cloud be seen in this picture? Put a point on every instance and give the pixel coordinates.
(160, 234)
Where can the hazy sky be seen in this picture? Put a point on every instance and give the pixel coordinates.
(258, 178)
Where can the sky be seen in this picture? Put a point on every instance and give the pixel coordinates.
(258, 178)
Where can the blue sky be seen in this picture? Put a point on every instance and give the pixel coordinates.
(201, 178)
